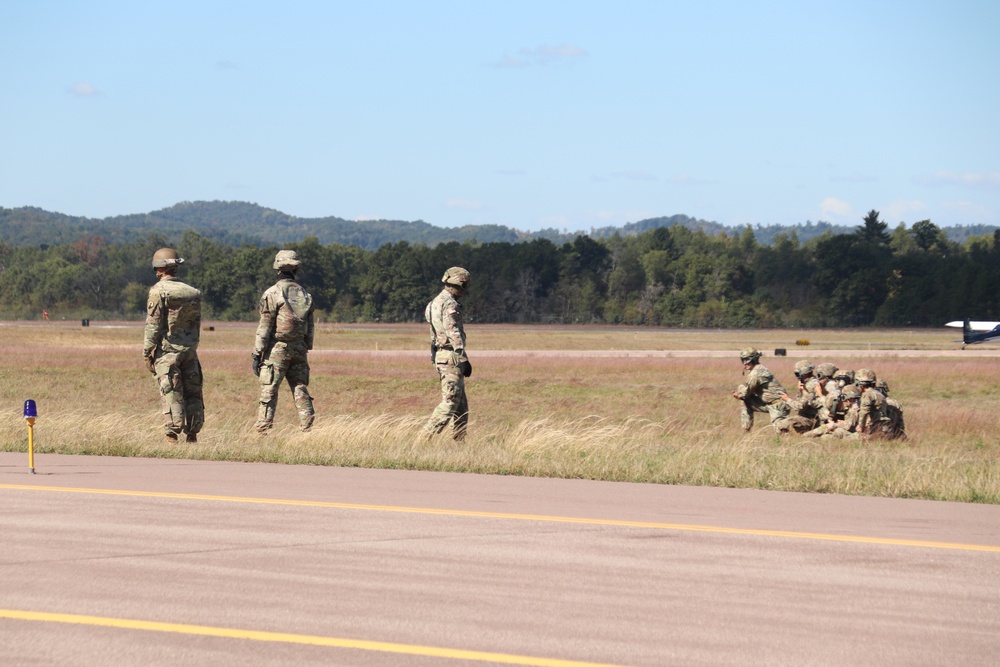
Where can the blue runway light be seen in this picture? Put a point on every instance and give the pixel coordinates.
(30, 411)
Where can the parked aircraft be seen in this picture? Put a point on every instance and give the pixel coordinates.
(991, 331)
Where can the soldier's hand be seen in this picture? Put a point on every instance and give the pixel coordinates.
(434, 350)
(466, 367)
(255, 364)
(150, 364)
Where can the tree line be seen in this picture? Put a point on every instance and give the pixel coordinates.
(666, 276)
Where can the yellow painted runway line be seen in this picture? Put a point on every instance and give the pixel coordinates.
(683, 527)
(287, 638)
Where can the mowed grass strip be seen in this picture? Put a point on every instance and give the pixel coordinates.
(655, 420)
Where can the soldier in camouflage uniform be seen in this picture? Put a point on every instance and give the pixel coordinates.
(444, 315)
(893, 410)
(170, 347)
(761, 393)
(827, 390)
(872, 418)
(284, 338)
(844, 422)
(843, 378)
(806, 404)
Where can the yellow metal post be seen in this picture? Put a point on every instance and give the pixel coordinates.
(30, 413)
(31, 444)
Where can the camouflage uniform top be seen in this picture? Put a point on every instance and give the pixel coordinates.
(761, 382)
(444, 314)
(286, 315)
(173, 317)
(872, 408)
(849, 420)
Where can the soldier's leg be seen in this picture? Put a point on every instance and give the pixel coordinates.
(793, 424)
(298, 381)
(746, 416)
(168, 378)
(460, 423)
(452, 387)
(194, 403)
(750, 405)
(784, 421)
(272, 372)
(817, 432)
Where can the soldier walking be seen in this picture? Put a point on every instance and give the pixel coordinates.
(444, 315)
(170, 347)
(284, 338)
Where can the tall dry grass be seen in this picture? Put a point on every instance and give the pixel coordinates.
(657, 420)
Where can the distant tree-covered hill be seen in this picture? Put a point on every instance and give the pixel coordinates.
(236, 223)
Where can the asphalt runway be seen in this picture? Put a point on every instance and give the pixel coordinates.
(115, 561)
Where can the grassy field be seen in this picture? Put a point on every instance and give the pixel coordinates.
(545, 401)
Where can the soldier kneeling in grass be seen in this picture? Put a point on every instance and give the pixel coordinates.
(761, 392)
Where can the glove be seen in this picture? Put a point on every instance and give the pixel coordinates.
(434, 351)
(466, 367)
(255, 364)
(150, 364)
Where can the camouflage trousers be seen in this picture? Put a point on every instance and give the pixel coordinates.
(831, 432)
(782, 421)
(287, 361)
(885, 429)
(454, 406)
(178, 376)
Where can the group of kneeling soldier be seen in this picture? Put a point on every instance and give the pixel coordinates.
(831, 403)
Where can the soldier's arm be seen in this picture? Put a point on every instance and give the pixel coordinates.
(310, 329)
(156, 323)
(864, 413)
(268, 320)
(452, 320)
(753, 384)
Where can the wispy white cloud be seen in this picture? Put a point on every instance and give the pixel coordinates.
(542, 55)
(635, 175)
(971, 212)
(510, 62)
(463, 204)
(626, 175)
(836, 207)
(989, 181)
(685, 179)
(854, 177)
(81, 89)
(903, 209)
(549, 53)
(226, 64)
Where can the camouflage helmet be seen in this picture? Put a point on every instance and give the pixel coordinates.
(850, 392)
(845, 375)
(457, 276)
(826, 370)
(749, 354)
(865, 375)
(803, 367)
(166, 257)
(882, 386)
(286, 259)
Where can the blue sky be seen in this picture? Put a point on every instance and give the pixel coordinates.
(534, 114)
